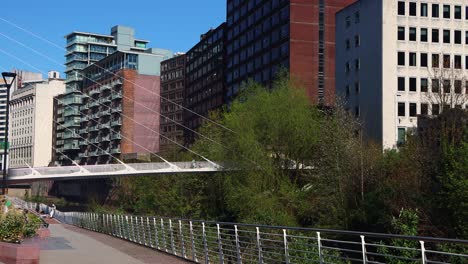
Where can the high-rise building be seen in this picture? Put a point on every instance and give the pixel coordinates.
(31, 122)
(399, 59)
(84, 49)
(172, 99)
(204, 79)
(121, 106)
(264, 36)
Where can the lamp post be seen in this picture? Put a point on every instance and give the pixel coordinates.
(6, 76)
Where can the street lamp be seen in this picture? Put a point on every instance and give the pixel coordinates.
(6, 76)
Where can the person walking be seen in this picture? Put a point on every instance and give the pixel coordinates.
(52, 211)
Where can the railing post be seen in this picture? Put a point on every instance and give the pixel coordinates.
(182, 243)
(143, 229)
(238, 252)
(220, 245)
(319, 243)
(132, 227)
(194, 253)
(156, 233)
(423, 253)
(205, 246)
(137, 231)
(364, 253)
(126, 228)
(150, 243)
(259, 247)
(286, 250)
(172, 237)
(163, 234)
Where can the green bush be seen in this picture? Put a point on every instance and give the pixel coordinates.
(16, 226)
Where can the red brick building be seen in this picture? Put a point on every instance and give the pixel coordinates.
(298, 35)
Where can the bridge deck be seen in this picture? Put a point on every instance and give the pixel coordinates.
(71, 245)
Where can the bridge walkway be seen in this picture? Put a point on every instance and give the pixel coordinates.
(70, 245)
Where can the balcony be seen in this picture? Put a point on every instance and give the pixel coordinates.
(94, 103)
(117, 122)
(83, 142)
(94, 116)
(115, 150)
(84, 107)
(106, 99)
(93, 128)
(60, 120)
(71, 146)
(84, 119)
(106, 125)
(116, 136)
(84, 131)
(105, 87)
(105, 138)
(93, 153)
(94, 141)
(94, 92)
(59, 142)
(116, 96)
(71, 112)
(116, 109)
(105, 112)
(117, 82)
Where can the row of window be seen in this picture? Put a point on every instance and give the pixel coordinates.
(437, 85)
(435, 109)
(448, 11)
(435, 35)
(437, 60)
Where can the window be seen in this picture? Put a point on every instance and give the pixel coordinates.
(458, 37)
(424, 85)
(466, 13)
(401, 136)
(347, 67)
(401, 109)
(446, 61)
(458, 86)
(357, 87)
(458, 62)
(446, 36)
(424, 9)
(412, 109)
(423, 34)
(347, 91)
(458, 12)
(357, 17)
(401, 58)
(412, 59)
(401, 8)
(435, 109)
(435, 61)
(401, 33)
(435, 35)
(435, 10)
(412, 34)
(401, 84)
(357, 64)
(412, 9)
(357, 41)
(447, 86)
(412, 84)
(466, 37)
(466, 62)
(446, 11)
(348, 22)
(357, 111)
(423, 59)
(435, 85)
(424, 109)
(348, 44)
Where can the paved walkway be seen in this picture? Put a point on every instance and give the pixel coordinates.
(71, 245)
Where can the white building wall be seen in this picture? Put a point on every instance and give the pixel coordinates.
(380, 115)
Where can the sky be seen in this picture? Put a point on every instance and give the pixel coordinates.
(175, 25)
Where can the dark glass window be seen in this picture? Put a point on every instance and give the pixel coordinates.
(412, 34)
(401, 109)
(458, 12)
(357, 41)
(435, 61)
(423, 34)
(412, 84)
(424, 109)
(423, 59)
(447, 61)
(401, 58)
(446, 11)
(435, 35)
(401, 33)
(424, 85)
(401, 8)
(435, 85)
(424, 9)
(435, 109)
(458, 86)
(412, 109)
(458, 62)
(435, 10)
(401, 84)
(412, 59)
(447, 36)
(412, 9)
(458, 37)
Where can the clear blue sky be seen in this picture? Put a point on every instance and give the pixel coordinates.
(175, 25)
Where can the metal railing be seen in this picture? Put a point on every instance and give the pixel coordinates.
(219, 242)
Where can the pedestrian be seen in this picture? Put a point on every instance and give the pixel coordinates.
(52, 211)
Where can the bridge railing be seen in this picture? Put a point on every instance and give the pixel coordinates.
(218, 242)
